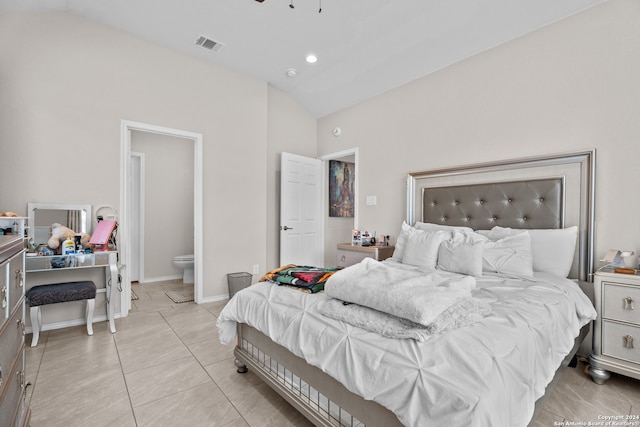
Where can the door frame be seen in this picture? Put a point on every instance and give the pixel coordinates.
(136, 217)
(126, 126)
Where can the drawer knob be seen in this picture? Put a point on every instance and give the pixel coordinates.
(628, 304)
(343, 258)
(628, 341)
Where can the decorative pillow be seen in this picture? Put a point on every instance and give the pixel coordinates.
(422, 248)
(508, 252)
(401, 241)
(553, 250)
(462, 254)
(428, 226)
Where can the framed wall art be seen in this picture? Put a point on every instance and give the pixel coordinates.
(341, 188)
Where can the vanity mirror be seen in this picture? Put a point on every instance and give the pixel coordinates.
(42, 215)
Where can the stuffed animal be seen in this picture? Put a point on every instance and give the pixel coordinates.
(60, 233)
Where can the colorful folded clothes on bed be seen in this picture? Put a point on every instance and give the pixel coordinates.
(301, 277)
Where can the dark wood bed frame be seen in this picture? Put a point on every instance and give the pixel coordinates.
(565, 181)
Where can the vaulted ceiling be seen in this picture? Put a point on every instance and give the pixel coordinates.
(364, 47)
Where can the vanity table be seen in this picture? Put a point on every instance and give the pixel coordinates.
(57, 268)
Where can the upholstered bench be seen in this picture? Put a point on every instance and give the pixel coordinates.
(54, 293)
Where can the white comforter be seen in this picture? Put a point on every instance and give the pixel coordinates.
(487, 374)
(415, 296)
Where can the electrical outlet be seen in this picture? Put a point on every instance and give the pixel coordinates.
(256, 269)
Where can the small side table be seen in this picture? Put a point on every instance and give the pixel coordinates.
(616, 331)
(348, 254)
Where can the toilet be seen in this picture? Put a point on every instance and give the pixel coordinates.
(185, 262)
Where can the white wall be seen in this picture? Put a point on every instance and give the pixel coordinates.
(291, 129)
(67, 82)
(570, 86)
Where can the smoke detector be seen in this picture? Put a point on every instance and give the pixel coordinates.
(209, 44)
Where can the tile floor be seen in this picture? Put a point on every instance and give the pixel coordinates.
(165, 367)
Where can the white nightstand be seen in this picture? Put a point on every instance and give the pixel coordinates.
(349, 254)
(616, 331)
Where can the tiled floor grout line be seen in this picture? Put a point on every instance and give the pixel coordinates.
(205, 370)
(124, 378)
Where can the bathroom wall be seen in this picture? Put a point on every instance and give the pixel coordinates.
(168, 202)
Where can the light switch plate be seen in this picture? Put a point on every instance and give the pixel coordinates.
(372, 200)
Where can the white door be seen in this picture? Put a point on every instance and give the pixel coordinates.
(301, 238)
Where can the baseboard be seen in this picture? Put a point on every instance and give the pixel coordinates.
(215, 298)
(160, 279)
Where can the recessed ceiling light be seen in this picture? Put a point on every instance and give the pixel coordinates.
(311, 58)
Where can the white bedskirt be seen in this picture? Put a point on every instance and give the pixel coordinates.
(488, 374)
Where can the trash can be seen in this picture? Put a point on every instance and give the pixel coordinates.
(237, 282)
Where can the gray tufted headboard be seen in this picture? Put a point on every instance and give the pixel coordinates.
(515, 204)
(553, 191)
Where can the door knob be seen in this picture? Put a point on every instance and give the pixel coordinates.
(285, 228)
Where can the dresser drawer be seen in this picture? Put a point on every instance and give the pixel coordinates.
(15, 280)
(621, 303)
(621, 341)
(11, 406)
(11, 340)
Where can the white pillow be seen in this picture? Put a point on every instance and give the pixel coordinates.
(401, 241)
(428, 226)
(422, 247)
(553, 250)
(462, 254)
(508, 252)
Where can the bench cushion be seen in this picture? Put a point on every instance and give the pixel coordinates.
(60, 292)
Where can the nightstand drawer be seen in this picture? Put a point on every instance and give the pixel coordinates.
(347, 258)
(621, 341)
(348, 254)
(621, 303)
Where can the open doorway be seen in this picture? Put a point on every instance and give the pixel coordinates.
(127, 228)
(161, 210)
(338, 229)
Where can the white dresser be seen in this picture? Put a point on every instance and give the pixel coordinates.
(349, 254)
(13, 410)
(616, 331)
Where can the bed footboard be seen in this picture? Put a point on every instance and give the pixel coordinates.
(320, 398)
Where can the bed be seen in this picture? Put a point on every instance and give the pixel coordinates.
(492, 371)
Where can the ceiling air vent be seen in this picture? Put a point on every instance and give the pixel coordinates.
(209, 44)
